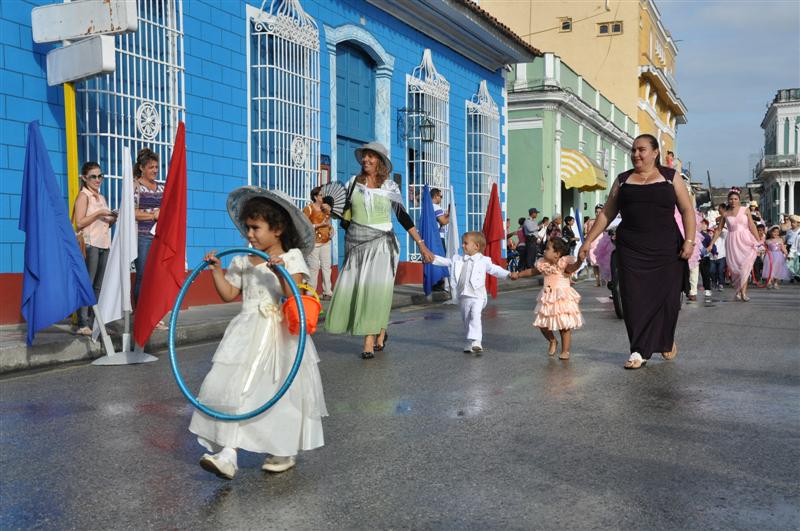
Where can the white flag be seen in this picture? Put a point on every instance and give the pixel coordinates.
(453, 245)
(115, 294)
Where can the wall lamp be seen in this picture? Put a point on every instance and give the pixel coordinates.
(412, 121)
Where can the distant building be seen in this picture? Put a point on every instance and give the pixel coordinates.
(620, 47)
(566, 140)
(778, 171)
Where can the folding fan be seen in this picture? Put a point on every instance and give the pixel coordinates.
(334, 194)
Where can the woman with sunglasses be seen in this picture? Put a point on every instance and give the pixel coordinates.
(93, 219)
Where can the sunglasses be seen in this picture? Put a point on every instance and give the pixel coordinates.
(98, 177)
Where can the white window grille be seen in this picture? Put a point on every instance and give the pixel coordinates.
(428, 102)
(284, 113)
(140, 104)
(483, 154)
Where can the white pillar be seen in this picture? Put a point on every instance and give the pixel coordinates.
(792, 209)
(557, 180)
(781, 199)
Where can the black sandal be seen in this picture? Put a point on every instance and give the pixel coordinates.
(379, 348)
(367, 355)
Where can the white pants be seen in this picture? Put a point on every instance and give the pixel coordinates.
(320, 258)
(693, 272)
(471, 308)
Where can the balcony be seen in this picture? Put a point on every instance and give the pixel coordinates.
(787, 95)
(776, 162)
(665, 83)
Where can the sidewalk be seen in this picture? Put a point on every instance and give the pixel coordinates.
(56, 344)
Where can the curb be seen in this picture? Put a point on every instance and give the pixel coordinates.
(57, 346)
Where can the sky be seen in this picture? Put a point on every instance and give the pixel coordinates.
(733, 56)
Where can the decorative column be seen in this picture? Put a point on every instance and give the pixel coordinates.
(557, 180)
(781, 198)
(792, 209)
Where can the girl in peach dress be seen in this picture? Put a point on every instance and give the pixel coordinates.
(557, 307)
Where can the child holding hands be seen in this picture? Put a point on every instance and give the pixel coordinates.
(469, 275)
(557, 307)
(257, 351)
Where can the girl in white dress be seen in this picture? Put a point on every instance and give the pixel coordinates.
(257, 350)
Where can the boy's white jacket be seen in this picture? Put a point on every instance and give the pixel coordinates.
(475, 285)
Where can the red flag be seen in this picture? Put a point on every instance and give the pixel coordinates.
(164, 271)
(494, 231)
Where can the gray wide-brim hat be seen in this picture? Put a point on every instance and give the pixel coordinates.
(238, 197)
(378, 148)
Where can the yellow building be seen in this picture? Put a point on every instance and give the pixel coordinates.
(621, 47)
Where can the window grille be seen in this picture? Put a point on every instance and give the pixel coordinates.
(284, 113)
(427, 97)
(483, 154)
(139, 104)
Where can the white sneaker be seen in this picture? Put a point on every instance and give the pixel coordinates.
(476, 346)
(468, 346)
(218, 465)
(276, 463)
(707, 294)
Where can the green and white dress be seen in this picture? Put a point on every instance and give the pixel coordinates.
(362, 298)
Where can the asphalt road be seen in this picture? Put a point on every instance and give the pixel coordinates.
(427, 437)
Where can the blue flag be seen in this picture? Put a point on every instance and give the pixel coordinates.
(55, 281)
(428, 227)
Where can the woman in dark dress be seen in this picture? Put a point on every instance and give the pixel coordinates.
(652, 255)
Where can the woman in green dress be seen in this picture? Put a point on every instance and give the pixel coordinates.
(362, 298)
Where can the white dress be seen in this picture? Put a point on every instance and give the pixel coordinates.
(251, 363)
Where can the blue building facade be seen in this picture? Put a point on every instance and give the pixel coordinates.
(358, 82)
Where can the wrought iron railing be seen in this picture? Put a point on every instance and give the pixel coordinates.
(775, 162)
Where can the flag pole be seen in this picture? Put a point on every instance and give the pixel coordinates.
(116, 301)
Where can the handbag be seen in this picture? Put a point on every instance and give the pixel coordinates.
(312, 307)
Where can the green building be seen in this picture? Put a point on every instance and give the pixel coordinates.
(566, 141)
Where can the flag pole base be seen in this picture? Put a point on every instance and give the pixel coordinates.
(125, 358)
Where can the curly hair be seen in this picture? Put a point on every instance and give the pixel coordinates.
(382, 171)
(275, 216)
(559, 246)
(144, 156)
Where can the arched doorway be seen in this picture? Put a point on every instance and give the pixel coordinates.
(355, 110)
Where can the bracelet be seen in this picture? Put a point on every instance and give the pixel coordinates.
(418, 241)
(690, 241)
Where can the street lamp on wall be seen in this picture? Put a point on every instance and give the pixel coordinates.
(412, 121)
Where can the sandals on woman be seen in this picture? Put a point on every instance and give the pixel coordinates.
(563, 356)
(367, 355)
(635, 361)
(672, 353)
(378, 347)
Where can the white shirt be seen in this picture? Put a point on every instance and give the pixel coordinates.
(469, 273)
(720, 243)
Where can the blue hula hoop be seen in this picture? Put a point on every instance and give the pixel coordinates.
(301, 343)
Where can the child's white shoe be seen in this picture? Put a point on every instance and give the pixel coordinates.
(476, 346)
(276, 463)
(221, 466)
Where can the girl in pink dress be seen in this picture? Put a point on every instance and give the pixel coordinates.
(557, 307)
(741, 243)
(775, 268)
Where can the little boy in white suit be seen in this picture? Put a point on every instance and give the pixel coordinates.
(469, 276)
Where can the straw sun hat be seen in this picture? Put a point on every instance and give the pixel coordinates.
(377, 148)
(240, 196)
